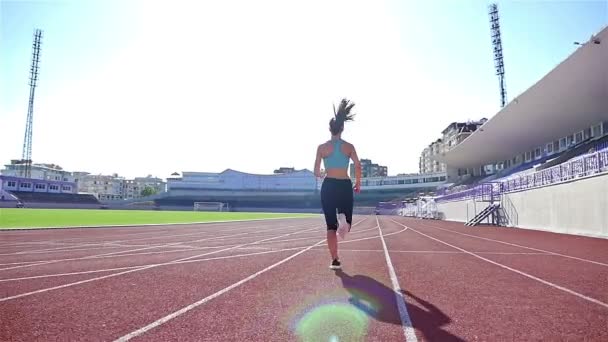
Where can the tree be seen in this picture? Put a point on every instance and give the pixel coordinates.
(148, 191)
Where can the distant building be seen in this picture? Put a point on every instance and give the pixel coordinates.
(451, 136)
(12, 183)
(134, 188)
(38, 171)
(456, 132)
(427, 163)
(369, 169)
(283, 170)
(114, 187)
(104, 187)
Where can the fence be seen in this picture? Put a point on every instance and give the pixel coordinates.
(580, 167)
(487, 192)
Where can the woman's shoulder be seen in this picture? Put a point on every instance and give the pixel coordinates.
(346, 143)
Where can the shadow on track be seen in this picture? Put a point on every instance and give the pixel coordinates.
(378, 302)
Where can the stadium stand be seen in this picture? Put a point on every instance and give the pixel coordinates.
(593, 145)
(42, 197)
(541, 162)
(7, 196)
(589, 164)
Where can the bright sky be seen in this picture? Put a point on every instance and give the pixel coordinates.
(154, 87)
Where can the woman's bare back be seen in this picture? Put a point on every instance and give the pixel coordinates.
(327, 148)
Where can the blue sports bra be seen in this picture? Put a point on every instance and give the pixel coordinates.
(337, 159)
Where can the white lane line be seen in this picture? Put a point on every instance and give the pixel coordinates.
(109, 246)
(520, 246)
(347, 241)
(139, 269)
(19, 263)
(458, 252)
(36, 263)
(154, 234)
(313, 238)
(144, 265)
(121, 253)
(548, 283)
(51, 250)
(163, 236)
(438, 252)
(215, 295)
(210, 297)
(78, 248)
(406, 322)
(167, 263)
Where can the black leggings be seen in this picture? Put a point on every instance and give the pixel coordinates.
(337, 195)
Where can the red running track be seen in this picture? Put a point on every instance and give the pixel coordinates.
(402, 279)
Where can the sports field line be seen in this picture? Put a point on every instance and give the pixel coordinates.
(139, 269)
(202, 248)
(185, 309)
(103, 256)
(406, 322)
(439, 252)
(110, 234)
(527, 275)
(161, 236)
(121, 253)
(157, 264)
(34, 263)
(227, 223)
(312, 238)
(520, 246)
(347, 241)
(105, 246)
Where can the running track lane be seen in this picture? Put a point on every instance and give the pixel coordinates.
(539, 241)
(106, 307)
(274, 306)
(459, 297)
(43, 238)
(586, 277)
(83, 259)
(172, 260)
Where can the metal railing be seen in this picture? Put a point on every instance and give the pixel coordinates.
(580, 167)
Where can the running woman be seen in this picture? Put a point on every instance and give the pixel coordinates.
(337, 188)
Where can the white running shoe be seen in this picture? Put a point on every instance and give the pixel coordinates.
(343, 226)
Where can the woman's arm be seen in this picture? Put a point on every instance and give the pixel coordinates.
(318, 163)
(355, 159)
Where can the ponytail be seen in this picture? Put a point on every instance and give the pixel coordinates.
(336, 125)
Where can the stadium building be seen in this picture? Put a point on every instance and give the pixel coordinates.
(38, 171)
(50, 185)
(542, 161)
(47, 181)
(293, 190)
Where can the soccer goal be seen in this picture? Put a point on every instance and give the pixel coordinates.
(210, 206)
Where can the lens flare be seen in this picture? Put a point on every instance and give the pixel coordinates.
(333, 322)
(342, 312)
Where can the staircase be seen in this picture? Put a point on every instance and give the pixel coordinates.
(482, 215)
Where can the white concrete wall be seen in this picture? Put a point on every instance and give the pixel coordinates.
(460, 211)
(579, 207)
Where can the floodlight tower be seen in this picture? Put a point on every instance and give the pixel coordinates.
(499, 63)
(26, 156)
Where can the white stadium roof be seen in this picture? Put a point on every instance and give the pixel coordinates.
(571, 97)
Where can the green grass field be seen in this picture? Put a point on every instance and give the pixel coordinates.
(44, 218)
